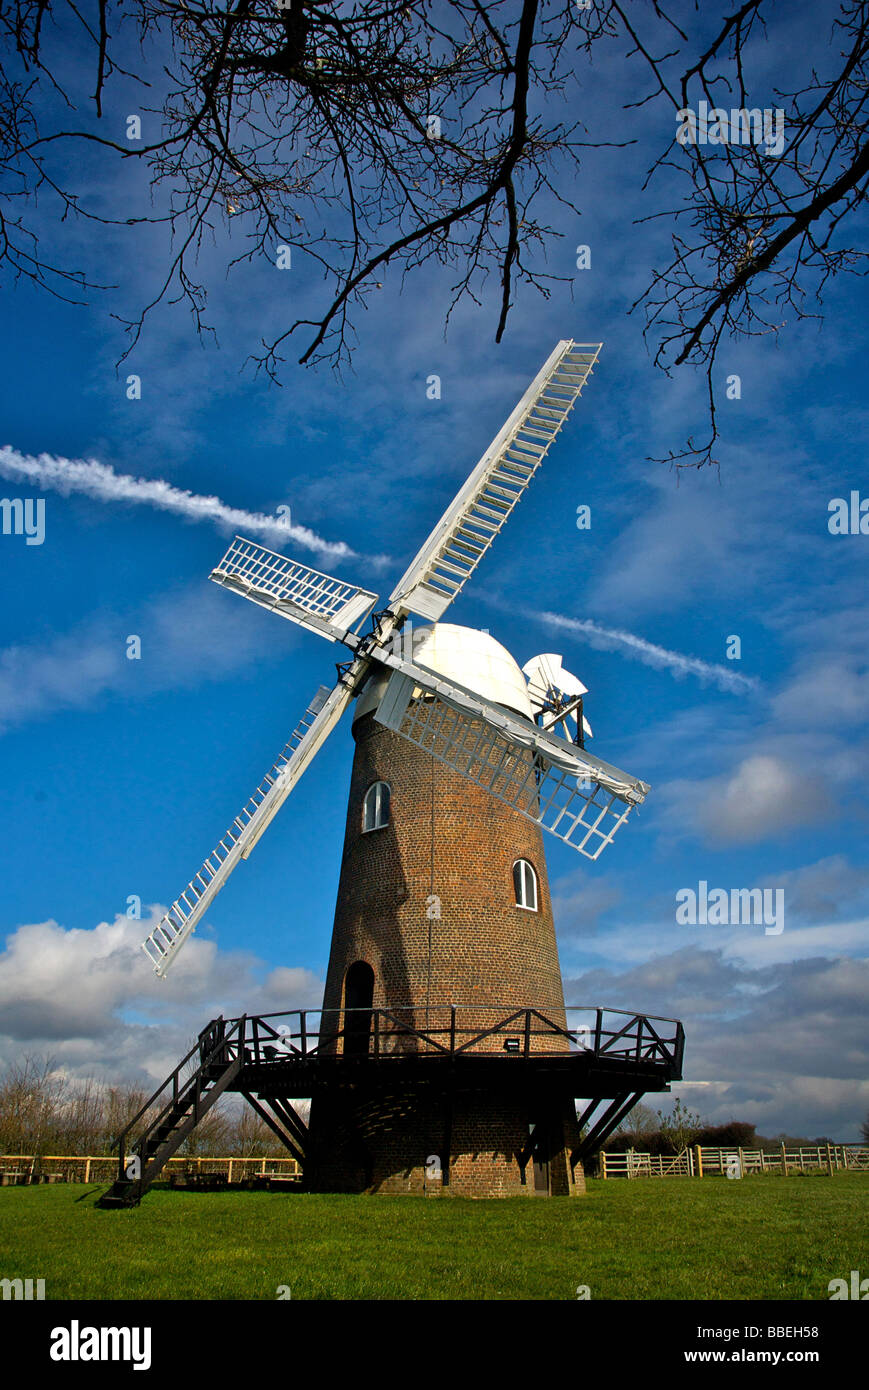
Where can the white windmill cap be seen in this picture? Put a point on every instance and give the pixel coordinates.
(467, 656)
(473, 659)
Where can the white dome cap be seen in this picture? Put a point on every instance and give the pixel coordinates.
(470, 658)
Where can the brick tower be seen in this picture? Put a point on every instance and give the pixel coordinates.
(443, 900)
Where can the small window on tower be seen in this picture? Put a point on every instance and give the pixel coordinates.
(375, 807)
(525, 885)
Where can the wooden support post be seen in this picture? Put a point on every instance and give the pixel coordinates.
(87, 1170)
(698, 1161)
(829, 1160)
(229, 1174)
(784, 1161)
(741, 1163)
(603, 1163)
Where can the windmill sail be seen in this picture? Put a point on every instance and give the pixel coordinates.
(565, 790)
(316, 601)
(321, 716)
(478, 512)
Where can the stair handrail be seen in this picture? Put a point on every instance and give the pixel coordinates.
(237, 1026)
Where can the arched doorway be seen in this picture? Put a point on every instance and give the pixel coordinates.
(358, 995)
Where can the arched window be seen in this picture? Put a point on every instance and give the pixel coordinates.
(375, 807)
(525, 885)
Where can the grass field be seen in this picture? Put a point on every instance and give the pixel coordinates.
(759, 1238)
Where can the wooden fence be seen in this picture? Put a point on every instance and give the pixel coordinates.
(16, 1169)
(638, 1165)
(699, 1161)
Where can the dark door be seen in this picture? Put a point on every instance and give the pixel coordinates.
(358, 998)
(541, 1162)
(541, 1176)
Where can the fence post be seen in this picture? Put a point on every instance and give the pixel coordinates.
(87, 1171)
(603, 1163)
(784, 1161)
(741, 1163)
(698, 1161)
(829, 1160)
(690, 1163)
(844, 1155)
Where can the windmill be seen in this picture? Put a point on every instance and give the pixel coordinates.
(579, 798)
(442, 1052)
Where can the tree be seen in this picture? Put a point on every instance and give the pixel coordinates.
(30, 1100)
(121, 1104)
(638, 1123)
(389, 133)
(680, 1127)
(251, 1137)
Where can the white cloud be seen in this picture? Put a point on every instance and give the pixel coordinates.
(649, 653)
(762, 797)
(90, 999)
(781, 1044)
(100, 482)
(189, 636)
(579, 899)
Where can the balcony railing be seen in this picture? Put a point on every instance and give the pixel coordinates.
(448, 1031)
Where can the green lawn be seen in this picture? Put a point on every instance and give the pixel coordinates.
(653, 1238)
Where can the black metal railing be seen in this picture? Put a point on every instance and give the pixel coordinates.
(449, 1030)
(217, 1045)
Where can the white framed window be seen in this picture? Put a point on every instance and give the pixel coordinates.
(375, 807)
(525, 885)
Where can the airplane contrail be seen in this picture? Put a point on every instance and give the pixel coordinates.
(101, 482)
(616, 639)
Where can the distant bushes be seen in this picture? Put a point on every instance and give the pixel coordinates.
(735, 1135)
(42, 1111)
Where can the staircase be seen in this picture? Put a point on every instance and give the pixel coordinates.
(180, 1104)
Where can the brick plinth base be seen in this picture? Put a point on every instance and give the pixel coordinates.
(376, 1141)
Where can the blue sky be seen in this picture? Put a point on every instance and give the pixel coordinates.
(118, 776)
